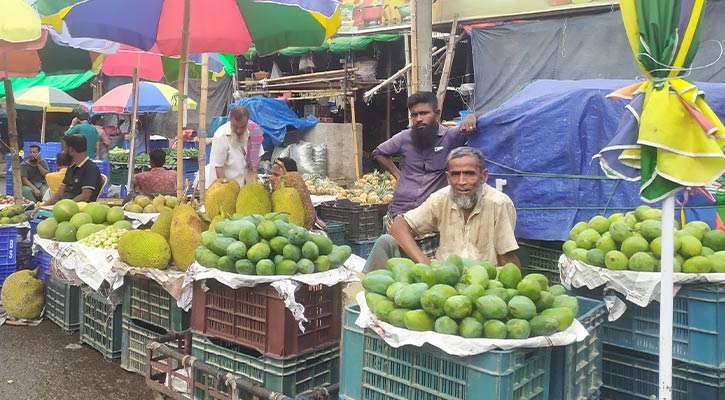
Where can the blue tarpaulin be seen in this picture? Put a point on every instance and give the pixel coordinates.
(542, 141)
(273, 116)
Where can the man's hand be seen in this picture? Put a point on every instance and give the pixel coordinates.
(468, 125)
(36, 192)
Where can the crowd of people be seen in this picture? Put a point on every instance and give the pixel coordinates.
(441, 184)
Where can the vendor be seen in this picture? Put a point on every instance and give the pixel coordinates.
(158, 179)
(475, 221)
(424, 147)
(234, 154)
(82, 181)
(32, 174)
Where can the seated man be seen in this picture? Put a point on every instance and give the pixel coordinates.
(55, 179)
(158, 179)
(82, 181)
(475, 220)
(32, 174)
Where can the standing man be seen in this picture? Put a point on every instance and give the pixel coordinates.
(235, 151)
(83, 128)
(475, 221)
(32, 174)
(425, 147)
(104, 141)
(82, 181)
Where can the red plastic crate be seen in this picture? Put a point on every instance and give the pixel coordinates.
(256, 317)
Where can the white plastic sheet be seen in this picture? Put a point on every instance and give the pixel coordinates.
(459, 346)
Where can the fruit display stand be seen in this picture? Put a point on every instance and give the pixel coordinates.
(362, 221)
(540, 257)
(100, 324)
(147, 301)
(62, 303)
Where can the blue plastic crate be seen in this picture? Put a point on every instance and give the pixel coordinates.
(189, 176)
(630, 375)
(190, 165)
(362, 248)
(698, 326)
(47, 150)
(41, 259)
(576, 369)
(8, 245)
(375, 370)
(158, 144)
(104, 167)
(34, 228)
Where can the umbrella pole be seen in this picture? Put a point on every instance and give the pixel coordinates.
(42, 127)
(184, 59)
(134, 115)
(12, 134)
(202, 125)
(147, 134)
(666, 289)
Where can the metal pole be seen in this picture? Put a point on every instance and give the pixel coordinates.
(666, 289)
(42, 127)
(202, 124)
(184, 59)
(423, 38)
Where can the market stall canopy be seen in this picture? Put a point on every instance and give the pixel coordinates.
(224, 26)
(46, 98)
(669, 138)
(152, 97)
(62, 82)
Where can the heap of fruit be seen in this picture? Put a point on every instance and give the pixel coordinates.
(5, 199)
(73, 221)
(105, 239)
(633, 241)
(118, 155)
(144, 204)
(12, 215)
(373, 188)
(466, 298)
(267, 245)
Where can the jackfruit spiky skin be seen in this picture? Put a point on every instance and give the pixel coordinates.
(222, 193)
(22, 295)
(287, 200)
(144, 249)
(294, 180)
(253, 199)
(163, 223)
(185, 235)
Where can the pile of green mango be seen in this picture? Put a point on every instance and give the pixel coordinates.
(267, 245)
(469, 299)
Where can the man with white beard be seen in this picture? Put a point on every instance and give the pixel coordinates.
(475, 221)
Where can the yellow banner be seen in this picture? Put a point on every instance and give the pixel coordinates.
(363, 16)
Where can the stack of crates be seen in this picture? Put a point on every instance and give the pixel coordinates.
(62, 303)
(100, 323)
(149, 311)
(250, 333)
(540, 257)
(336, 232)
(630, 366)
(363, 222)
(8, 252)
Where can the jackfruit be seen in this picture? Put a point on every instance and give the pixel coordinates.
(184, 235)
(22, 295)
(163, 222)
(253, 199)
(287, 200)
(222, 194)
(144, 249)
(294, 180)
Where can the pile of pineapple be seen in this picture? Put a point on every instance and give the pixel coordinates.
(373, 188)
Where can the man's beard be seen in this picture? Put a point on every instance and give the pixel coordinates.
(467, 201)
(425, 136)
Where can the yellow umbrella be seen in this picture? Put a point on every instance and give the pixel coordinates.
(47, 99)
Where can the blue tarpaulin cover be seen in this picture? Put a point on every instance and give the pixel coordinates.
(273, 116)
(542, 141)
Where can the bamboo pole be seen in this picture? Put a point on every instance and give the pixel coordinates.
(42, 127)
(202, 125)
(184, 59)
(134, 116)
(354, 136)
(450, 52)
(12, 134)
(408, 77)
(413, 48)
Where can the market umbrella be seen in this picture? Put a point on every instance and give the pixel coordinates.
(46, 99)
(669, 137)
(152, 97)
(20, 31)
(152, 65)
(222, 26)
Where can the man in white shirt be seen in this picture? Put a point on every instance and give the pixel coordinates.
(230, 150)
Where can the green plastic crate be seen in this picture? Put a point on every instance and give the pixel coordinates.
(134, 338)
(100, 324)
(576, 369)
(118, 176)
(336, 232)
(291, 377)
(147, 301)
(375, 370)
(62, 303)
(540, 257)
